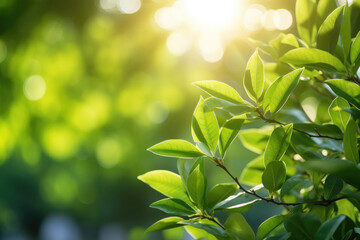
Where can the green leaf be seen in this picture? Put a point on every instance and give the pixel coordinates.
(228, 202)
(305, 15)
(241, 207)
(332, 186)
(345, 31)
(198, 233)
(176, 148)
(213, 103)
(268, 226)
(173, 206)
(350, 142)
(229, 132)
(254, 77)
(355, 49)
(325, 129)
(252, 173)
(219, 90)
(205, 128)
(302, 226)
(292, 184)
(183, 171)
(166, 223)
(209, 227)
(196, 185)
(284, 43)
(280, 90)
(339, 117)
(314, 59)
(219, 193)
(255, 139)
(274, 175)
(237, 227)
(328, 228)
(329, 31)
(344, 169)
(324, 8)
(347, 90)
(278, 143)
(167, 183)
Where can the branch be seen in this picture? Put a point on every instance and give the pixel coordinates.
(319, 135)
(253, 193)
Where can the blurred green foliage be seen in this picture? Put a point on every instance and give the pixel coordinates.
(83, 92)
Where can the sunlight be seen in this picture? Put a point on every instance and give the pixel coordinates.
(212, 14)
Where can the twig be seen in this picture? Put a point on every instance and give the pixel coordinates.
(253, 193)
(319, 135)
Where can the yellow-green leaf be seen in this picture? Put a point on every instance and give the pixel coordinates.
(176, 148)
(220, 90)
(339, 116)
(254, 77)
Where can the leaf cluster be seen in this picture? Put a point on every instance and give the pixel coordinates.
(308, 166)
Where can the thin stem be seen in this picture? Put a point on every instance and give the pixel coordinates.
(213, 220)
(253, 193)
(319, 135)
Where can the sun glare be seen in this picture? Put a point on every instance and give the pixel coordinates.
(209, 25)
(212, 14)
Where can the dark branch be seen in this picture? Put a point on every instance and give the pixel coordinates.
(319, 135)
(253, 193)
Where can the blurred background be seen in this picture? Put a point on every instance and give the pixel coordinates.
(87, 86)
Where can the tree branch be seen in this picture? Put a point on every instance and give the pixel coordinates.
(253, 193)
(319, 135)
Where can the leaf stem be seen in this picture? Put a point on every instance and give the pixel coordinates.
(211, 218)
(253, 193)
(319, 135)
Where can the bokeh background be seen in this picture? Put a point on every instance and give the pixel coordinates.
(86, 86)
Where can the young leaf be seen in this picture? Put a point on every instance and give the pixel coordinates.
(347, 90)
(278, 144)
(219, 193)
(329, 31)
(237, 227)
(220, 90)
(229, 132)
(198, 233)
(339, 117)
(355, 49)
(313, 58)
(196, 185)
(332, 186)
(213, 103)
(305, 15)
(254, 77)
(350, 142)
(345, 31)
(302, 226)
(324, 8)
(205, 128)
(173, 206)
(252, 173)
(293, 183)
(241, 207)
(176, 148)
(328, 228)
(280, 90)
(268, 226)
(209, 227)
(167, 183)
(274, 176)
(255, 139)
(166, 223)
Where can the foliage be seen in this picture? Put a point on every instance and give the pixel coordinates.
(310, 165)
